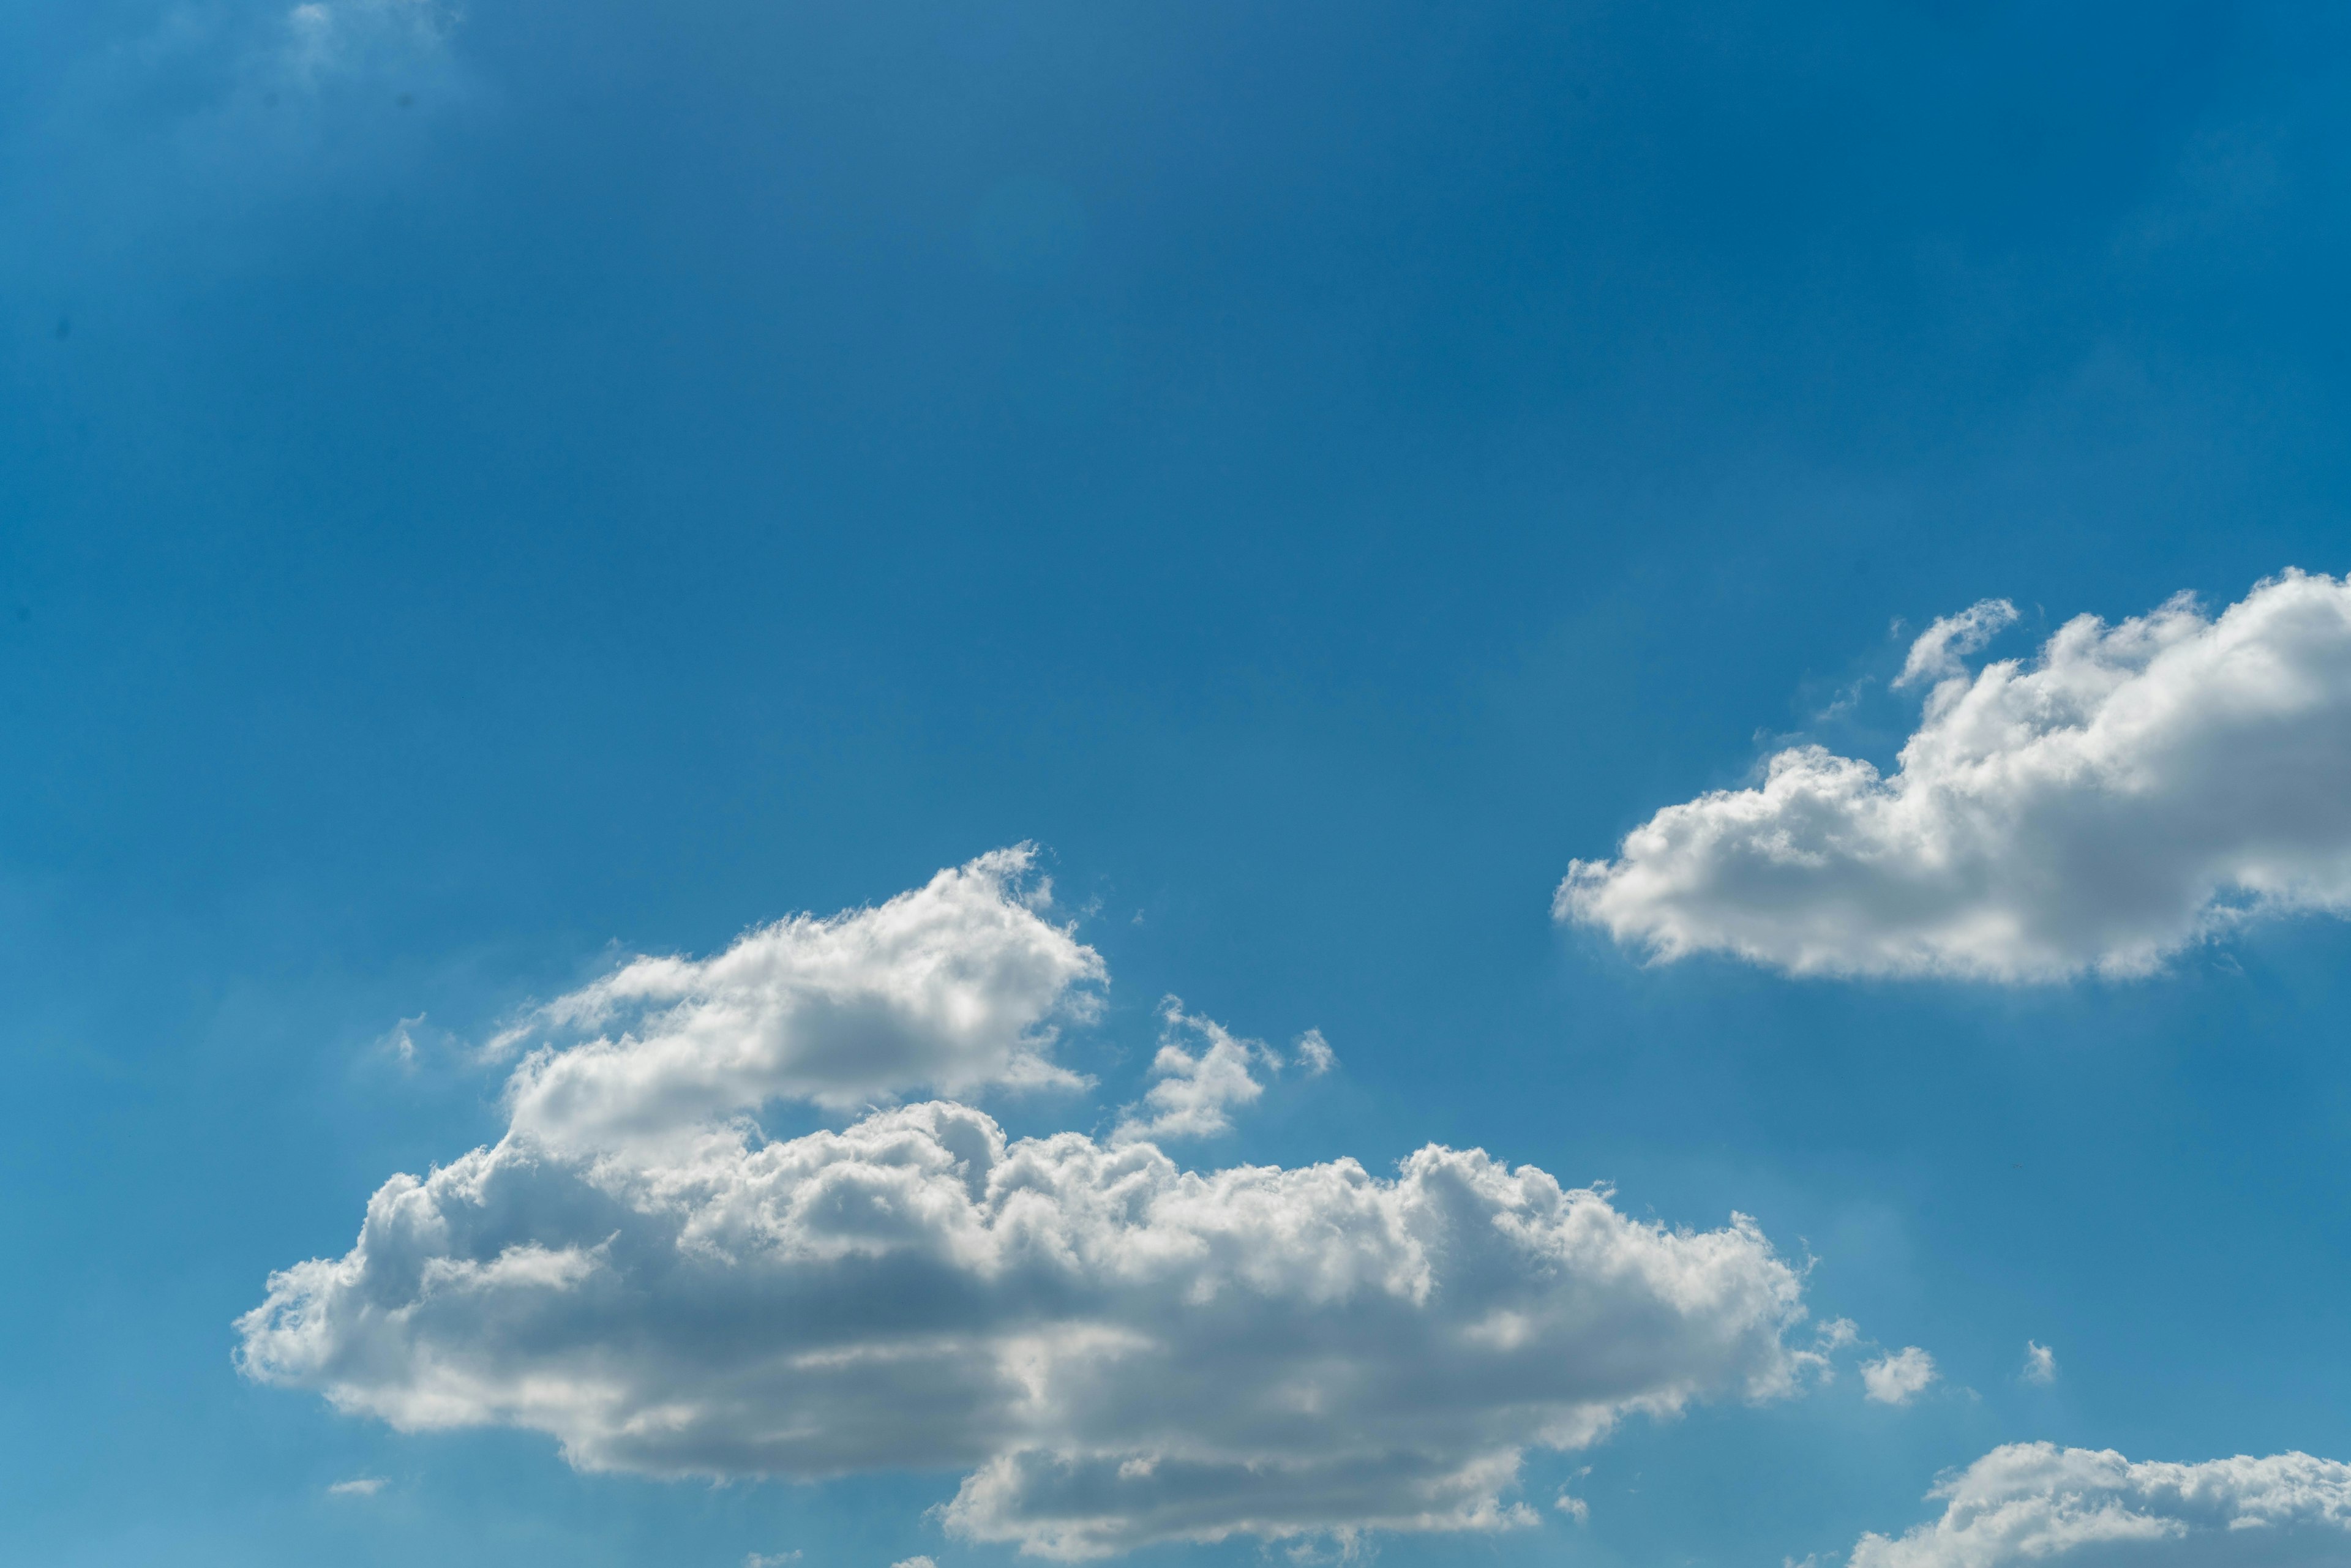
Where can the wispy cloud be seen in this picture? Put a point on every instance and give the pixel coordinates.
(1899, 1378)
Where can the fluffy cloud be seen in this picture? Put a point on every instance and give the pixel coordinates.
(1116, 1351)
(2039, 1363)
(1195, 1092)
(951, 988)
(2039, 1504)
(2133, 790)
(1900, 1377)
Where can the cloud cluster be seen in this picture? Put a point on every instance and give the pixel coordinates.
(2034, 1503)
(952, 988)
(2135, 789)
(1116, 1351)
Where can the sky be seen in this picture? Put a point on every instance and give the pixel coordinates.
(1013, 782)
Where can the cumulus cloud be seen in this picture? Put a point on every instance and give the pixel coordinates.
(2135, 789)
(1900, 1377)
(358, 1486)
(2039, 1363)
(952, 988)
(2034, 1503)
(1194, 1092)
(1119, 1351)
(1115, 1350)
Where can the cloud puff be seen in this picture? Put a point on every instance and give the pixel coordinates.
(1115, 1350)
(1195, 1092)
(1900, 1377)
(358, 1486)
(2134, 790)
(1314, 1053)
(1938, 652)
(951, 988)
(2039, 1363)
(2034, 1503)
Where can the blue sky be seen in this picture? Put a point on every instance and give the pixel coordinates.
(486, 493)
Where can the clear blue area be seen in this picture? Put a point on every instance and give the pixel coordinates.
(629, 470)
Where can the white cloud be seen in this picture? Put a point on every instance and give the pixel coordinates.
(952, 988)
(1119, 1351)
(2136, 789)
(915, 1562)
(1938, 653)
(1115, 1350)
(1314, 1053)
(1195, 1091)
(358, 1486)
(1900, 1377)
(2039, 1363)
(771, 1559)
(2034, 1503)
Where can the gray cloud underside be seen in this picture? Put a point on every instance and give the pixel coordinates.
(2034, 1503)
(2132, 790)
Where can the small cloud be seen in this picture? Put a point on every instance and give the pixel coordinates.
(1838, 1332)
(358, 1486)
(1195, 1094)
(1935, 655)
(1314, 1053)
(2039, 1363)
(405, 1039)
(771, 1559)
(909, 1562)
(1576, 1508)
(1898, 1378)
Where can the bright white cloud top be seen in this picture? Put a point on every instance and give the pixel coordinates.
(953, 988)
(2134, 790)
(1899, 1378)
(2034, 1503)
(1116, 1351)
